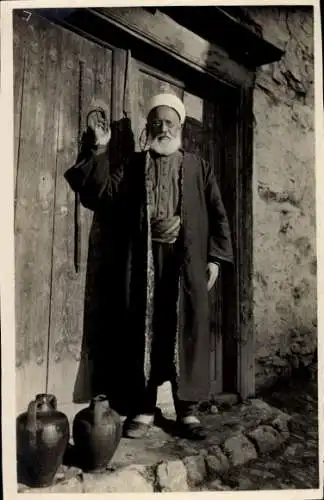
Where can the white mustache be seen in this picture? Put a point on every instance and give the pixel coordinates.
(163, 136)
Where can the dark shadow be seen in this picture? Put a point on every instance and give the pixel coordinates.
(213, 137)
(70, 458)
(166, 424)
(104, 300)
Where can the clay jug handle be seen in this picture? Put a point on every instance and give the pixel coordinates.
(52, 401)
(100, 406)
(31, 425)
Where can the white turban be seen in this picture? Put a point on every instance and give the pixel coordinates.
(170, 100)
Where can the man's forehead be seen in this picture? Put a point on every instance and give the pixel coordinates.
(162, 111)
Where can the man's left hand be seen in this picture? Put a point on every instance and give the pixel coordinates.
(213, 272)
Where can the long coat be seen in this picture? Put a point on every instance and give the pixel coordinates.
(119, 285)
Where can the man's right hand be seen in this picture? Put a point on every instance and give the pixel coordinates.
(102, 137)
(100, 127)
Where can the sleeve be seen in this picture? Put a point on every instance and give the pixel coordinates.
(219, 236)
(94, 179)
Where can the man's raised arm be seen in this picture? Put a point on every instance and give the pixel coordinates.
(92, 176)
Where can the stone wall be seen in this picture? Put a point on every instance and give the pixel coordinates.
(285, 307)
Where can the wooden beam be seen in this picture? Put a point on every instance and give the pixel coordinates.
(166, 35)
(153, 36)
(118, 83)
(223, 27)
(245, 341)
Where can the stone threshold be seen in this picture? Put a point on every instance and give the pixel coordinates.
(237, 434)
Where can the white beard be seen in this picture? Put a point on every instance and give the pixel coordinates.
(165, 147)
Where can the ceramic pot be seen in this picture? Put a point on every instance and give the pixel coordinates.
(42, 438)
(97, 431)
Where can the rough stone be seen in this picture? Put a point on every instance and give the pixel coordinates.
(196, 469)
(187, 448)
(213, 465)
(266, 438)
(172, 476)
(245, 484)
(124, 480)
(216, 462)
(239, 449)
(262, 406)
(296, 424)
(281, 424)
(284, 234)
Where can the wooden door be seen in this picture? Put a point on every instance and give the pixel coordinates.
(202, 135)
(59, 77)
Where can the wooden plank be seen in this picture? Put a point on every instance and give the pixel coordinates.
(19, 34)
(65, 281)
(230, 185)
(187, 47)
(34, 213)
(246, 346)
(200, 137)
(86, 74)
(118, 83)
(214, 120)
(124, 91)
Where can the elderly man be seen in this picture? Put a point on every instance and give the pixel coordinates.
(175, 235)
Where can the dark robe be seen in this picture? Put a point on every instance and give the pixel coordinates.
(119, 346)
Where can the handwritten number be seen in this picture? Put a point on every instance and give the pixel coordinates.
(28, 15)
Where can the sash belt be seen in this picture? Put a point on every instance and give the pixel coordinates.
(165, 230)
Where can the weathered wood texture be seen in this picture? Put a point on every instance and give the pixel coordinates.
(186, 46)
(35, 201)
(86, 78)
(119, 83)
(202, 136)
(58, 88)
(20, 55)
(59, 77)
(246, 345)
(231, 151)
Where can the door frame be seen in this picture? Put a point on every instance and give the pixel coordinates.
(239, 376)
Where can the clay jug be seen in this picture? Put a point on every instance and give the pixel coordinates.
(42, 438)
(97, 431)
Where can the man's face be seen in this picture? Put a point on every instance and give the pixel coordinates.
(164, 124)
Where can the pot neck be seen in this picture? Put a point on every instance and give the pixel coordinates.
(100, 400)
(45, 402)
